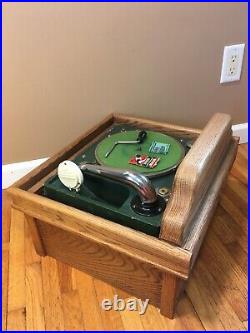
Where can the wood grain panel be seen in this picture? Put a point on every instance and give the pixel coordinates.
(207, 207)
(122, 239)
(194, 176)
(103, 263)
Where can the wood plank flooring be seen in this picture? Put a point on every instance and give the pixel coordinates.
(43, 294)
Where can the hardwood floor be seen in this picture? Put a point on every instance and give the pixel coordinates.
(43, 294)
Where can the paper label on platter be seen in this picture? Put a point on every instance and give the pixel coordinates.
(159, 148)
(144, 161)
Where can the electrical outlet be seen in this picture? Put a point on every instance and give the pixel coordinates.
(232, 63)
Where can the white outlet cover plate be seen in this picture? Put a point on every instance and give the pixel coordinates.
(232, 63)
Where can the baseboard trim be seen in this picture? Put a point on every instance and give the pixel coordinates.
(13, 172)
(241, 130)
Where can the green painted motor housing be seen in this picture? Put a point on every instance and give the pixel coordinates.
(108, 198)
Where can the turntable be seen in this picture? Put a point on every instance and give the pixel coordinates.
(129, 202)
(109, 182)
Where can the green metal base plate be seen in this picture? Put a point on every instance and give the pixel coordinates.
(109, 199)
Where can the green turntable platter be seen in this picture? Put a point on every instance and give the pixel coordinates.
(122, 153)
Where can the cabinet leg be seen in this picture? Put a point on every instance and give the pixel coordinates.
(169, 293)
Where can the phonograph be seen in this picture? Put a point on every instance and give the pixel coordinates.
(126, 176)
(129, 202)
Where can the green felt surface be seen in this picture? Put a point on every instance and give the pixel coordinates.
(122, 153)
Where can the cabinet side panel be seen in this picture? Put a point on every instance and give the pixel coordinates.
(141, 280)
